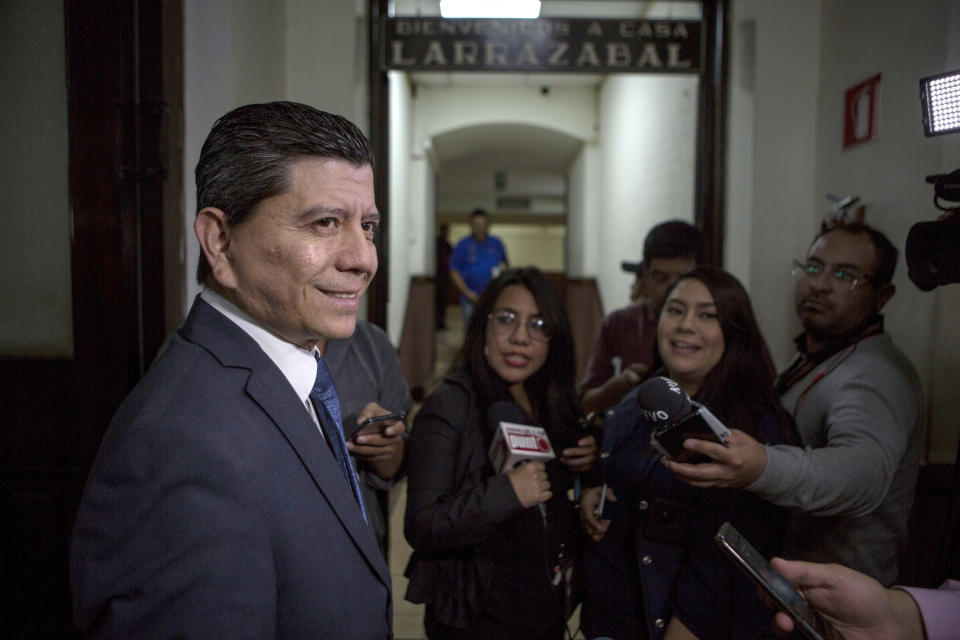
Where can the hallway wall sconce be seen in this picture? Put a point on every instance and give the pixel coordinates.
(940, 98)
(490, 8)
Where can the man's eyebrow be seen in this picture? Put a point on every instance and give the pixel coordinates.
(839, 265)
(847, 265)
(320, 210)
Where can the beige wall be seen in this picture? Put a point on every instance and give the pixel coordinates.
(784, 160)
(740, 142)
(35, 281)
(409, 174)
(646, 146)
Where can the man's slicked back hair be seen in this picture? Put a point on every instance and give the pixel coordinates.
(247, 155)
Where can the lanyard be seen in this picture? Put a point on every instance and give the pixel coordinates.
(832, 364)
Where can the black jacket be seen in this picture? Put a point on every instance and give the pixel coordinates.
(466, 525)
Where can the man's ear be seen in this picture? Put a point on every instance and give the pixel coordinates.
(884, 293)
(214, 233)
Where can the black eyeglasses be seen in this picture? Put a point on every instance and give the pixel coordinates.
(506, 322)
(841, 275)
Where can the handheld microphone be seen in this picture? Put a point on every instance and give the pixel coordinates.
(662, 401)
(514, 442)
(675, 417)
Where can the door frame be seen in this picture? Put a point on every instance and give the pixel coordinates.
(710, 172)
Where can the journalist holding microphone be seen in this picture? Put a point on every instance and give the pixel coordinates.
(652, 569)
(491, 549)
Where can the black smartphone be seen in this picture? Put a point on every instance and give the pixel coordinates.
(808, 621)
(376, 424)
(699, 424)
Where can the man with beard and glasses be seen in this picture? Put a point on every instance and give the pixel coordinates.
(858, 405)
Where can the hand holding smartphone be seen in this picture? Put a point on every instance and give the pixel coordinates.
(699, 424)
(377, 424)
(808, 621)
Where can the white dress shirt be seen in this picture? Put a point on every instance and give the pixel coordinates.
(298, 366)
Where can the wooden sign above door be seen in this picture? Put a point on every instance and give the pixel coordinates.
(546, 44)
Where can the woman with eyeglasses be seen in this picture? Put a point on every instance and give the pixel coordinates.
(653, 569)
(491, 550)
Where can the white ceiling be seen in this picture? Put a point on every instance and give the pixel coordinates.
(511, 146)
(506, 146)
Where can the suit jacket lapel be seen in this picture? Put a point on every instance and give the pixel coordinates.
(272, 392)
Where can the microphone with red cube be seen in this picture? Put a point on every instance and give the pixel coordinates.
(514, 442)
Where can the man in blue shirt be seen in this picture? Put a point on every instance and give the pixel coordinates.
(476, 261)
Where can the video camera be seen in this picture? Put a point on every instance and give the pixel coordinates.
(933, 248)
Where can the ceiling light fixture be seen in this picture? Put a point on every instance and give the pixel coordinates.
(490, 8)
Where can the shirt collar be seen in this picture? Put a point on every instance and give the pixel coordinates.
(297, 365)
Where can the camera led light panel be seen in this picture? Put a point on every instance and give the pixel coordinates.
(940, 97)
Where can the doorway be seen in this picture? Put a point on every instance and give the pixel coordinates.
(695, 193)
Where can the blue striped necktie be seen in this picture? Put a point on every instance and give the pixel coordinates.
(327, 404)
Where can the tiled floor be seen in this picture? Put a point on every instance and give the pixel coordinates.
(407, 617)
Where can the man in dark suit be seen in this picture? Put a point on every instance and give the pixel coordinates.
(218, 505)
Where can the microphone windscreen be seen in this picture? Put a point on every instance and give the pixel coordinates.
(662, 400)
(503, 411)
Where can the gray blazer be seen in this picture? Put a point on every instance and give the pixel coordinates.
(214, 508)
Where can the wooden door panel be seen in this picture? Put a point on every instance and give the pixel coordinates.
(124, 67)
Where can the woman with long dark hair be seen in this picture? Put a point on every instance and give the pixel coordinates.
(491, 551)
(653, 570)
